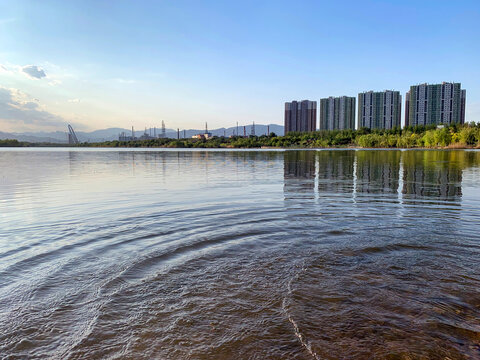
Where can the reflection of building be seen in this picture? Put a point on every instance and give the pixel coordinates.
(299, 173)
(378, 171)
(335, 171)
(435, 104)
(376, 175)
(300, 116)
(432, 174)
(337, 113)
(299, 164)
(379, 110)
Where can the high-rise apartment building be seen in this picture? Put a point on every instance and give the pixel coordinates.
(337, 113)
(435, 104)
(379, 110)
(300, 116)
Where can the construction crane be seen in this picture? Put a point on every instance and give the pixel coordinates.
(72, 137)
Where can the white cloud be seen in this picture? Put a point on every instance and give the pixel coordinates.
(74, 100)
(17, 108)
(34, 71)
(54, 82)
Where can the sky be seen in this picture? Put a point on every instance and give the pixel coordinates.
(101, 64)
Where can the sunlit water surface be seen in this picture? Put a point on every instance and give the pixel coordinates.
(239, 254)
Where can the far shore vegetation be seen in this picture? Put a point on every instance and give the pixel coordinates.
(453, 136)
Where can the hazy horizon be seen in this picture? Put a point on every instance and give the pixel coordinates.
(107, 65)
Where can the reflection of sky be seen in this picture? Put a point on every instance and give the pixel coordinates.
(43, 186)
(60, 185)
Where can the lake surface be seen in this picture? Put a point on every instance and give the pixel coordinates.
(239, 254)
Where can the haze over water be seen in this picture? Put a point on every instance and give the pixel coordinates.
(239, 254)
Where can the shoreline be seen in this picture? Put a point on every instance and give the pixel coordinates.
(54, 146)
(424, 137)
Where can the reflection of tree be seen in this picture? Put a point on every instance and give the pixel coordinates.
(335, 171)
(378, 171)
(434, 174)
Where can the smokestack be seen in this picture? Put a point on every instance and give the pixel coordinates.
(178, 133)
(244, 131)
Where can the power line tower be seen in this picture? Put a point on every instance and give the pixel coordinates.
(72, 137)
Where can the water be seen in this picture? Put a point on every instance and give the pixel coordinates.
(239, 254)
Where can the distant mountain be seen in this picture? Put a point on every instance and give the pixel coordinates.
(33, 138)
(112, 133)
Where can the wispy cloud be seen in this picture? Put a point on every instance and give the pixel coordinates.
(9, 69)
(55, 82)
(73, 100)
(17, 108)
(34, 71)
(125, 81)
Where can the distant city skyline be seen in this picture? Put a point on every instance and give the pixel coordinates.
(97, 65)
(425, 104)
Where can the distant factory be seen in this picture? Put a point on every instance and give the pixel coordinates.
(238, 131)
(205, 135)
(149, 134)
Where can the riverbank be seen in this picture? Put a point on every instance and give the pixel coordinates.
(449, 137)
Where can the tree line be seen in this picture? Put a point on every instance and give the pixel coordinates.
(431, 136)
(408, 137)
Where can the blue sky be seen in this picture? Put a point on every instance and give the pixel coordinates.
(123, 63)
